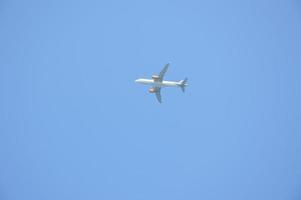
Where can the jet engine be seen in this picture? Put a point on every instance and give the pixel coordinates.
(155, 77)
(152, 90)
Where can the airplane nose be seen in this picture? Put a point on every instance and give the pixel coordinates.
(137, 81)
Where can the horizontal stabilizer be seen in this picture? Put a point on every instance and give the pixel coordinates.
(183, 84)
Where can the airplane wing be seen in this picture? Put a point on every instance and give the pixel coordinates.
(162, 73)
(158, 94)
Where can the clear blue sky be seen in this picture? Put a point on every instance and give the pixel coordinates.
(74, 125)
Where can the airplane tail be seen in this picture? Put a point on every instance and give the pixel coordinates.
(183, 84)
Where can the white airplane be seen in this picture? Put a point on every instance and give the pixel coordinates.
(157, 83)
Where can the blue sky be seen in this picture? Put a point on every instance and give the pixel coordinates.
(74, 125)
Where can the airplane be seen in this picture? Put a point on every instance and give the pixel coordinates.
(157, 83)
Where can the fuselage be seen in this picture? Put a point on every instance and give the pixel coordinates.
(158, 83)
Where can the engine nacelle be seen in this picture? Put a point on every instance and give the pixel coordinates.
(155, 77)
(152, 90)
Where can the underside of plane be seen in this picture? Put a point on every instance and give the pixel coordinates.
(157, 83)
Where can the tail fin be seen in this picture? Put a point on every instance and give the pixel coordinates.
(183, 84)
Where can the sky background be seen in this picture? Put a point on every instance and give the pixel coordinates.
(74, 125)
